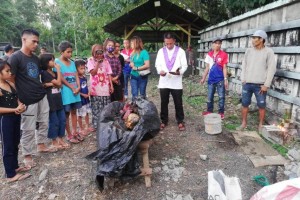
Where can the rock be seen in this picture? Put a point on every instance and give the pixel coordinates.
(179, 197)
(36, 197)
(165, 168)
(188, 197)
(295, 154)
(52, 196)
(43, 175)
(41, 190)
(203, 157)
(156, 169)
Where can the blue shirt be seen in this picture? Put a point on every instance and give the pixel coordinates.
(69, 74)
(84, 90)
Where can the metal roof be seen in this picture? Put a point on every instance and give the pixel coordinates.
(167, 11)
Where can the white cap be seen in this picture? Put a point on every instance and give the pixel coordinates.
(260, 33)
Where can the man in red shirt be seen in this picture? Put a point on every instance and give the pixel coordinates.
(216, 66)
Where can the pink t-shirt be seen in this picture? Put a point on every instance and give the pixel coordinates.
(100, 82)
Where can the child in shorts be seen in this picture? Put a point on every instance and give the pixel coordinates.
(70, 90)
(57, 118)
(85, 110)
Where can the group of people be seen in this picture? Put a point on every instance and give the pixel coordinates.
(258, 70)
(39, 95)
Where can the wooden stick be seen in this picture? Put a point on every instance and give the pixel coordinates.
(221, 141)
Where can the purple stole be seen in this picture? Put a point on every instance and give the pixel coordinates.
(170, 63)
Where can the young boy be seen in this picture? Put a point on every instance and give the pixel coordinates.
(216, 63)
(85, 110)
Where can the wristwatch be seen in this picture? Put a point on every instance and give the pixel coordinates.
(225, 79)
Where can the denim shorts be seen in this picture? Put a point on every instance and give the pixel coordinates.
(72, 106)
(248, 90)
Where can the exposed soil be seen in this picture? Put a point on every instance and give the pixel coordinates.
(178, 171)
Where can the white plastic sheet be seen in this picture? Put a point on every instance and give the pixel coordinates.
(285, 190)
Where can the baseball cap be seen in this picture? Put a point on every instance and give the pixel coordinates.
(260, 33)
(217, 39)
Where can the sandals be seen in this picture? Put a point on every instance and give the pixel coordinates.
(23, 169)
(18, 177)
(162, 126)
(91, 129)
(29, 163)
(64, 145)
(79, 137)
(181, 127)
(73, 139)
(50, 149)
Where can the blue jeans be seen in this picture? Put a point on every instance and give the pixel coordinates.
(211, 92)
(248, 90)
(138, 86)
(126, 80)
(57, 124)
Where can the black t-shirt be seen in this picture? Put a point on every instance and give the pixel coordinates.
(53, 93)
(27, 75)
(8, 99)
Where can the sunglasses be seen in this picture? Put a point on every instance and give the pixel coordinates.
(99, 52)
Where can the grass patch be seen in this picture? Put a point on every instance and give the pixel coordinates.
(233, 118)
(280, 149)
(231, 127)
(196, 102)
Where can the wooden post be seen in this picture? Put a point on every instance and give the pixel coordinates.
(146, 170)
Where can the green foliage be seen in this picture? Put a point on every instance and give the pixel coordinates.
(238, 7)
(81, 21)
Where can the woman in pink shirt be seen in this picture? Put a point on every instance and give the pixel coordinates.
(100, 81)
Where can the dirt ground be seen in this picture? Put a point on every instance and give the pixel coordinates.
(70, 176)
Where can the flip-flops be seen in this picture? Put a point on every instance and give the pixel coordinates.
(163, 126)
(79, 137)
(91, 129)
(18, 177)
(23, 169)
(50, 149)
(29, 163)
(72, 139)
(181, 127)
(64, 145)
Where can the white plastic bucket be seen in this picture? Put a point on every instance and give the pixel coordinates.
(213, 123)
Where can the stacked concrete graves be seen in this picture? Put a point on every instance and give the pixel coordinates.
(281, 21)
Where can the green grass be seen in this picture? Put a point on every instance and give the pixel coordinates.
(230, 126)
(196, 102)
(280, 149)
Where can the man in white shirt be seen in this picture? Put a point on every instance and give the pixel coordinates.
(170, 64)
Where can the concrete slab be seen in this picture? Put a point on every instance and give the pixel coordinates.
(258, 151)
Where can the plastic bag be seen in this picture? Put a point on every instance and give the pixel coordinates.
(287, 190)
(222, 187)
(117, 146)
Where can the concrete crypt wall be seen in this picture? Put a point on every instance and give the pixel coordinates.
(281, 21)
